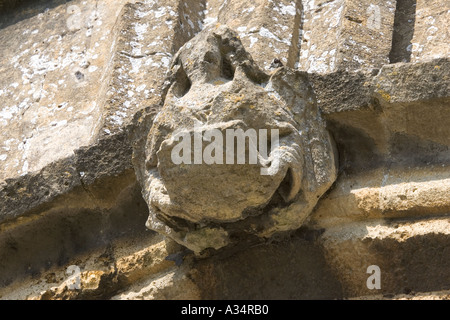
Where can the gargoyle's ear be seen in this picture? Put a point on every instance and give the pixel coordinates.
(295, 89)
(249, 70)
(137, 132)
(177, 82)
(181, 84)
(234, 56)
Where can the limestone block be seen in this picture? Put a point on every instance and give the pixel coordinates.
(268, 29)
(173, 284)
(151, 33)
(386, 193)
(78, 72)
(431, 32)
(412, 255)
(344, 34)
(53, 66)
(104, 272)
(420, 92)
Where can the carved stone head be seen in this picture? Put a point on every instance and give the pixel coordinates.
(233, 151)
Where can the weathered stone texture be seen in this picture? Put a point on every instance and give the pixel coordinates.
(55, 62)
(408, 251)
(81, 70)
(94, 93)
(268, 29)
(431, 32)
(151, 33)
(342, 34)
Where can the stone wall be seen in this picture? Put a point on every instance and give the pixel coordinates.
(84, 82)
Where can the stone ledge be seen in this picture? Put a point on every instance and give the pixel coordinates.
(394, 83)
(413, 255)
(385, 194)
(108, 157)
(103, 271)
(112, 154)
(412, 82)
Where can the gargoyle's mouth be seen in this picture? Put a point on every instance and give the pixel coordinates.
(235, 184)
(287, 191)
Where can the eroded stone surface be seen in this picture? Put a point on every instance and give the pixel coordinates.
(386, 193)
(79, 71)
(431, 31)
(342, 34)
(268, 29)
(56, 62)
(151, 32)
(411, 254)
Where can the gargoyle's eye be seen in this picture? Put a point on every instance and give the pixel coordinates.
(212, 58)
(182, 83)
(227, 70)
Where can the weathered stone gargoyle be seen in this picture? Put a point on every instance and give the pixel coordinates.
(207, 196)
